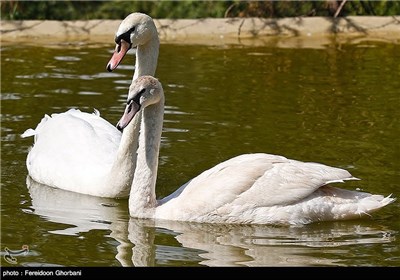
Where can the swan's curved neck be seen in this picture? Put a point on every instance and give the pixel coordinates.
(121, 173)
(146, 58)
(142, 199)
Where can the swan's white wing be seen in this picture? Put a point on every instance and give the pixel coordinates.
(218, 186)
(71, 148)
(256, 180)
(102, 129)
(247, 169)
(289, 182)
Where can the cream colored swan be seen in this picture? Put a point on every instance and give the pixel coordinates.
(82, 152)
(251, 188)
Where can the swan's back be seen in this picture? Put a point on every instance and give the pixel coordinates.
(72, 150)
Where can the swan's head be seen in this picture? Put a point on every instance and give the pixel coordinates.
(143, 92)
(136, 29)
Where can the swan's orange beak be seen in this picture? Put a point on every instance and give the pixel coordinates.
(120, 51)
(130, 111)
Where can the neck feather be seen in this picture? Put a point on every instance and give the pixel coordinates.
(146, 58)
(142, 200)
(122, 170)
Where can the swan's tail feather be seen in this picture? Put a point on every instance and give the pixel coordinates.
(387, 200)
(342, 204)
(372, 203)
(35, 132)
(96, 112)
(28, 133)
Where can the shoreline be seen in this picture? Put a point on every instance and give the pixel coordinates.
(314, 32)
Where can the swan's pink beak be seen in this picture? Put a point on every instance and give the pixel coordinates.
(120, 51)
(130, 111)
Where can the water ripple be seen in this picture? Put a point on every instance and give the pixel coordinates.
(70, 76)
(10, 96)
(67, 58)
(89, 93)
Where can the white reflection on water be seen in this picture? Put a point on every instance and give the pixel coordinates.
(89, 93)
(206, 244)
(10, 96)
(67, 58)
(45, 75)
(83, 212)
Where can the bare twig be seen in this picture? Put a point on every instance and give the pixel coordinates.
(339, 9)
(229, 9)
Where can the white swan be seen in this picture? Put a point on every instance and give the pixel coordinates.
(250, 188)
(82, 152)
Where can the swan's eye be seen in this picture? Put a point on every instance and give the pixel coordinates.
(129, 106)
(126, 36)
(136, 98)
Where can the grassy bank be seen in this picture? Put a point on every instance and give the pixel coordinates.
(86, 10)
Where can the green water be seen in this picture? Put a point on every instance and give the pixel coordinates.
(338, 105)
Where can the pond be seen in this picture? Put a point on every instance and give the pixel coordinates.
(338, 105)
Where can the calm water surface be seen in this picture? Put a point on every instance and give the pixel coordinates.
(338, 105)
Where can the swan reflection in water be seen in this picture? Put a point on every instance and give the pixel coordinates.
(204, 244)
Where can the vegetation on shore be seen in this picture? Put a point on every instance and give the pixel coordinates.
(117, 9)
